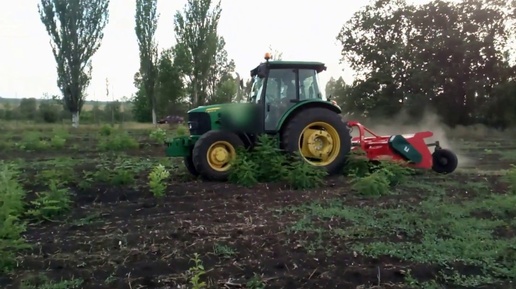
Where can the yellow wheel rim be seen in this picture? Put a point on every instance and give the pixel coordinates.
(219, 154)
(319, 143)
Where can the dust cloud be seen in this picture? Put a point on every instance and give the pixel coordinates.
(429, 122)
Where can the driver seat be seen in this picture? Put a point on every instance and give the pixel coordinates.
(291, 91)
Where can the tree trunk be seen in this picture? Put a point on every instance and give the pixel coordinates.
(154, 120)
(75, 119)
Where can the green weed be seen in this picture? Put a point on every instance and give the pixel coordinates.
(267, 163)
(117, 141)
(52, 203)
(11, 208)
(157, 178)
(196, 272)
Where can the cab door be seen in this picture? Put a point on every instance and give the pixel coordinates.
(282, 91)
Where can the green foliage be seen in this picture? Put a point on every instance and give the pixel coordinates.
(64, 175)
(122, 177)
(40, 281)
(267, 163)
(398, 48)
(157, 178)
(380, 181)
(119, 171)
(32, 141)
(358, 164)
(269, 160)
(106, 130)
(197, 271)
(243, 169)
(441, 231)
(11, 191)
(52, 203)
(11, 208)
(223, 251)
(117, 141)
(49, 111)
(256, 282)
(181, 130)
(302, 175)
(158, 135)
(146, 23)
(510, 177)
(200, 52)
(374, 184)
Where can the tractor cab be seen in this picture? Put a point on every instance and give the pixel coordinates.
(279, 85)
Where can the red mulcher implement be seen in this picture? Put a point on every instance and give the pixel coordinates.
(410, 148)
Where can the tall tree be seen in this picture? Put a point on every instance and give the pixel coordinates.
(146, 24)
(442, 56)
(197, 45)
(169, 88)
(76, 29)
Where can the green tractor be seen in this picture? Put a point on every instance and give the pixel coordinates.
(287, 102)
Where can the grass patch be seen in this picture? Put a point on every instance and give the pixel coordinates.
(471, 243)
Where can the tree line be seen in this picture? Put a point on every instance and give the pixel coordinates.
(196, 71)
(49, 111)
(449, 58)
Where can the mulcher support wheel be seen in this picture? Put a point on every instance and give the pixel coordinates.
(213, 152)
(320, 136)
(444, 161)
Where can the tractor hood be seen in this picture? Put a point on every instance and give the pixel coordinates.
(204, 108)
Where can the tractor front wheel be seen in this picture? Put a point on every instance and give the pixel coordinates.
(213, 153)
(321, 138)
(444, 161)
(188, 161)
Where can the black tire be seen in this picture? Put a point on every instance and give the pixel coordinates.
(188, 161)
(444, 161)
(200, 151)
(293, 129)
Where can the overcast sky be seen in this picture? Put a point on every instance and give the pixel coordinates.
(302, 30)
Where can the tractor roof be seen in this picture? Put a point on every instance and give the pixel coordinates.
(318, 66)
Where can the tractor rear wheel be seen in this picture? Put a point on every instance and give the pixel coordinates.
(321, 138)
(444, 161)
(213, 152)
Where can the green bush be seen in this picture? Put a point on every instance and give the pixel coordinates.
(157, 180)
(244, 170)
(181, 130)
(158, 135)
(117, 141)
(106, 130)
(52, 203)
(510, 178)
(357, 165)
(383, 176)
(32, 141)
(11, 208)
(267, 163)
